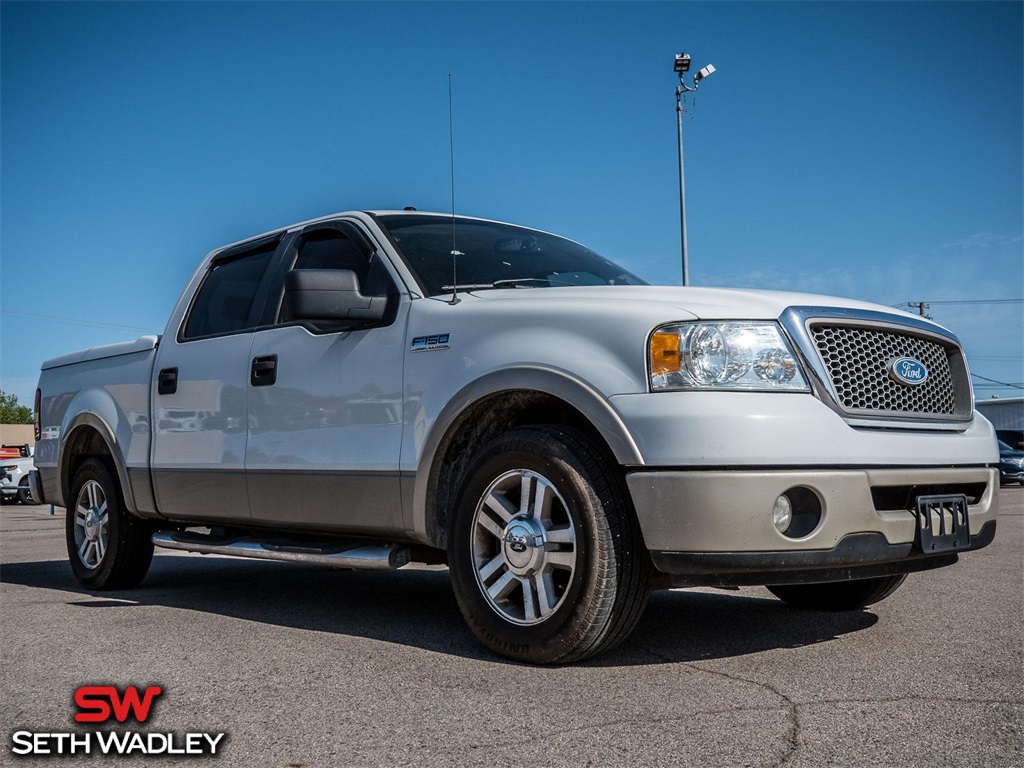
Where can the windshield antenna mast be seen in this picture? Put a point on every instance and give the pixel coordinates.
(451, 153)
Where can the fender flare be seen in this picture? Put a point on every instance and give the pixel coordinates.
(551, 381)
(92, 420)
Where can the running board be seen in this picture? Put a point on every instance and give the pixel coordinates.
(363, 556)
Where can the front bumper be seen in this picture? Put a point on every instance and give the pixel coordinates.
(715, 526)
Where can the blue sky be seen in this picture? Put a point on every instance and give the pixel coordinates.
(864, 150)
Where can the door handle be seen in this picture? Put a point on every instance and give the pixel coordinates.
(167, 381)
(264, 371)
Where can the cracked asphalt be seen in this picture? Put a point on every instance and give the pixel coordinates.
(305, 666)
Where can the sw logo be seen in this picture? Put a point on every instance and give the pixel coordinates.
(103, 704)
(97, 703)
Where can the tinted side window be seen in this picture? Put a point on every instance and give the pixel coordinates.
(224, 302)
(331, 249)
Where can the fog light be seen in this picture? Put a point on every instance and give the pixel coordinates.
(782, 513)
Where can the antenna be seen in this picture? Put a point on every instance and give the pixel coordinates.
(451, 152)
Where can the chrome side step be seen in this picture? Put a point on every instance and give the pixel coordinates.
(363, 556)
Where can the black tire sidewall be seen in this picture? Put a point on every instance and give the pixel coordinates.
(548, 639)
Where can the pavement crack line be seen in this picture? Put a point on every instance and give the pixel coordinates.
(792, 708)
(601, 724)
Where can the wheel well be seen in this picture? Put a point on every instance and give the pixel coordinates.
(475, 427)
(84, 443)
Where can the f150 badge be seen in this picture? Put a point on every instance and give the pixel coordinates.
(907, 370)
(430, 343)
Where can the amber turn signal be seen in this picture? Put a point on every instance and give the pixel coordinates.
(664, 353)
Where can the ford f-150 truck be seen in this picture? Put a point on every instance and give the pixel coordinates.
(372, 389)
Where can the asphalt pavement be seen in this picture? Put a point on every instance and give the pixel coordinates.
(306, 666)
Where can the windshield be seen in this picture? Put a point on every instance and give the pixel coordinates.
(492, 253)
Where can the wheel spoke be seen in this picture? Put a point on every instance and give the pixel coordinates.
(560, 536)
(529, 600)
(501, 506)
(542, 501)
(524, 493)
(82, 549)
(101, 548)
(91, 492)
(503, 586)
(80, 515)
(490, 526)
(545, 592)
(491, 568)
(562, 559)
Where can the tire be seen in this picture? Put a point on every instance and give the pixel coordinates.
(108, 547)
(838, 595)
(24, 494)
(561, 575)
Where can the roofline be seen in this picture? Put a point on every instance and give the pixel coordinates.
(277, 231)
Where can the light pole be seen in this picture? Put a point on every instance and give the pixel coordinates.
(682, 66)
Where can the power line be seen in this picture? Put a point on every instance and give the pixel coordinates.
(72, 320)
(995, 381)
(980, 301)
(959, 301)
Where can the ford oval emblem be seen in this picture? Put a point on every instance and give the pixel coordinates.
(907, 370)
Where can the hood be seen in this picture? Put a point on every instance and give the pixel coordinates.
(701, 303)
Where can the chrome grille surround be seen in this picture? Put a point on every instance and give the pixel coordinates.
(849, 353)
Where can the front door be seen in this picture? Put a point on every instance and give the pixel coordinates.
(325, 423)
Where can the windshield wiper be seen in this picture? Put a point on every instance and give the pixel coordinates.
(508, 282)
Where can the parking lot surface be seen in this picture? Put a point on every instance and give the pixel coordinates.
(305, 666)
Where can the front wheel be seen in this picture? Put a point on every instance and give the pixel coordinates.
(24, 494)
(838, 595)
(109, 548)
(547, 560)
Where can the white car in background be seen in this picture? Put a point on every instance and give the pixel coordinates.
(14, 480)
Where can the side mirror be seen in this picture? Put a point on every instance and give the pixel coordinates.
(329, 296)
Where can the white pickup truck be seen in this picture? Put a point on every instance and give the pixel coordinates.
(372, 389)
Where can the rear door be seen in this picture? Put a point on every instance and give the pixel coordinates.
(325, 420)
(200, 408)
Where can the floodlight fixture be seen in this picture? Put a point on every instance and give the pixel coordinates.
(682, 63)
(708, 70)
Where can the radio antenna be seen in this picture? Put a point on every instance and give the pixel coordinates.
(451, 153)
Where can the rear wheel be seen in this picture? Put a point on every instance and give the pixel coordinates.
(839, 595)
(109, 548)
(547, 560)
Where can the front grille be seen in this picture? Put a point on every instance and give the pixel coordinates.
(857, 360)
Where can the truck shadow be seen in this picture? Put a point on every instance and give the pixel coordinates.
(417, 608)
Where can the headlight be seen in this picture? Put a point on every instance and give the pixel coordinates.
(724, 355)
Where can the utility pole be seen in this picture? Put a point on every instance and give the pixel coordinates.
(921, 307)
